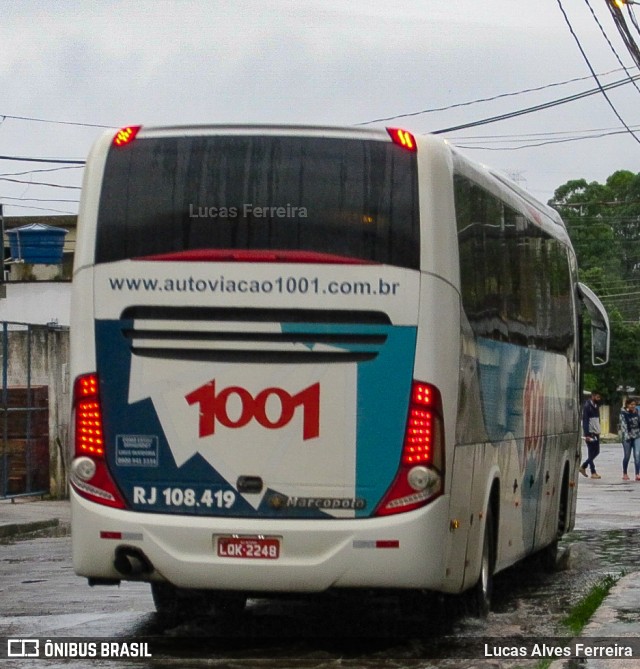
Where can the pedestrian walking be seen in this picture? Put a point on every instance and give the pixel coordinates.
(591, 433)
(629, 427)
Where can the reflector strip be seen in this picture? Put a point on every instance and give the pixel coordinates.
(111, 535)
(127, 536)
(389, 543)
(89, 489)
(376, 543)
(257, 255)
(409, 499)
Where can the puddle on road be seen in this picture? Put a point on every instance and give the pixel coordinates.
(531, 602)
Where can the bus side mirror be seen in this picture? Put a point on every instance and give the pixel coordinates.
(600, 331)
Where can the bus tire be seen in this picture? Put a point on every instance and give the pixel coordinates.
(480, 595)
(549, 554)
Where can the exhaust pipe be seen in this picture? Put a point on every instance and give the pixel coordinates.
(132, 562)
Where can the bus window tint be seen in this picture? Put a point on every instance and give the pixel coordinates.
(515, 278)
(346, 197)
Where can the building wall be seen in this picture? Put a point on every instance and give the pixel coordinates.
(39, 296)
(38, 356)
(37, 302)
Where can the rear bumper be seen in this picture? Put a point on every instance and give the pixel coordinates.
(403, 551)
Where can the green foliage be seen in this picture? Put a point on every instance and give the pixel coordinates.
(580, 614)
(603, 221)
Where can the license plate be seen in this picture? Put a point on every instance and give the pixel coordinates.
(254, 548)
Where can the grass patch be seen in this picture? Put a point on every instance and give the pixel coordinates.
(580, 614)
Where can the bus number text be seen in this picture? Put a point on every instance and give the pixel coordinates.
(220, 499)
(213, 407)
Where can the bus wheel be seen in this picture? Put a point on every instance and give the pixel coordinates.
(549, 554)
(481, 592)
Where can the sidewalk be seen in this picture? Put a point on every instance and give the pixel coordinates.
(606, 504)
(29, 514)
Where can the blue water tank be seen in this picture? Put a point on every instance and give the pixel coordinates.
(37, 243)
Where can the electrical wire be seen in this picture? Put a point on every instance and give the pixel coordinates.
(487, 99)
(532, 145)
(45, 120)
(38, 183)
(45, 160)
(56, 211)
(45, 169)
(613, 49)
(593, 72)
(624, 31)
(36, 199)
(539, 107)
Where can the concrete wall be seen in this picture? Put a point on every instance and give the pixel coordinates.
(39, 355)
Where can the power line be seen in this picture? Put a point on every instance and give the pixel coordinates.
(615, 53)
(36, 199)
(45, 160)
(534, 145)
(38, 183)
(485, 99)
(46, 169)
(624, 31)
(537, 135)
(539, 107)
(46, 120)
(57, 211)
(593, 72)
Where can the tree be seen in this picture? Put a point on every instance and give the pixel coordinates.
(603, 221)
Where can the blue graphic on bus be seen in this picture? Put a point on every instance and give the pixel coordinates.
(159, 469)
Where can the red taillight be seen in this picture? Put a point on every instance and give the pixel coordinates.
(88, 417)
(419, 476)
(126, 135)
(418, 439)
(403, 138)
(89, 473)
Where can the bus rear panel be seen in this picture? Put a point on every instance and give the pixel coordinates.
(246, 412)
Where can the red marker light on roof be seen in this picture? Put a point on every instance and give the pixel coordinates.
(403, 138)
(126, 135)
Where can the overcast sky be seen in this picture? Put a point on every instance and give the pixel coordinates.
(332, 62)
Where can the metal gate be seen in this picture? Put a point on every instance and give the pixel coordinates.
(24, 411)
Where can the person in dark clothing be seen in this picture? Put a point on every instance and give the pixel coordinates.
(591, 433)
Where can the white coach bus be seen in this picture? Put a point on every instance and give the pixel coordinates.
(312, 358)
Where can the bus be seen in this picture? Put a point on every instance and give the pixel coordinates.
(312, 359)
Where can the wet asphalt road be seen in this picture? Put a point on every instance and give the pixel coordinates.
(40, 596)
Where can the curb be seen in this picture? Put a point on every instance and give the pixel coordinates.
(14, 529)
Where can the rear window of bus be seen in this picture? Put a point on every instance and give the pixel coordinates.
(348, 197)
